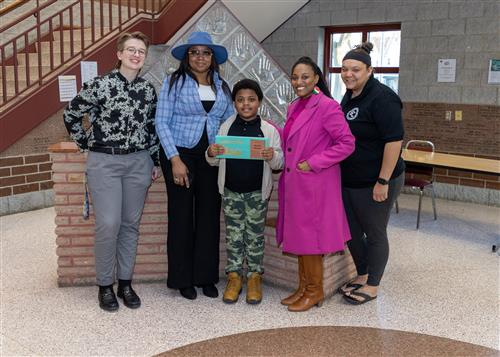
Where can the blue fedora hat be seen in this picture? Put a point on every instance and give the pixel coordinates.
(200, 39)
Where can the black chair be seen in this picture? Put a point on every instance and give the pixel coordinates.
(420, 177)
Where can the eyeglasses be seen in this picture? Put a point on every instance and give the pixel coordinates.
(133, 51)
(198, 53)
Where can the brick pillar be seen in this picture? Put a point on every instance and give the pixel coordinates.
(75, 236)
(282, 269)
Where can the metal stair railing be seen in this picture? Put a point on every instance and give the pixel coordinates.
(11, 6)
(44, 49)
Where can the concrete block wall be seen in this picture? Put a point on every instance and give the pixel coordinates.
(75, 236)
(467, 30)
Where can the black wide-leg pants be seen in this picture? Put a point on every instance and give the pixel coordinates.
(193, 223)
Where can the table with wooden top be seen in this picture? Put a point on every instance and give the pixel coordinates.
(457, 162)
(468, 163)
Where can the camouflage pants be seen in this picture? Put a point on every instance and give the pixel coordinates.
(245, 215)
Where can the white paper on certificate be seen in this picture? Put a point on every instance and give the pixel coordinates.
(88, 70)
(447, 70)
(494, 72)
(67, 88)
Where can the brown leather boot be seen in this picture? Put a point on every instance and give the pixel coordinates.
(302, 285)
(313, 295)
(254, 289)
(233, 288)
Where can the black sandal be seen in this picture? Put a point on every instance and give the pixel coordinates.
(350, 284)
(354, 301)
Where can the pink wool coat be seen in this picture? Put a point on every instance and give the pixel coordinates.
(311, 216)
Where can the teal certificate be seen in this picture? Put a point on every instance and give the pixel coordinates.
(241, 147)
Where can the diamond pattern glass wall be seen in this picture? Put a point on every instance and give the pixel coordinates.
(247, 59)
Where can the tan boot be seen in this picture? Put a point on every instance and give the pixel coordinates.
(302, 285)
(254, 289)
(313, 295)
(233, 288)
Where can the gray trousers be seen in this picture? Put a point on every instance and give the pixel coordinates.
(368, 221)
(118, 185)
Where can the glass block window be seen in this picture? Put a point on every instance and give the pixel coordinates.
(247, 59)
(386, 41)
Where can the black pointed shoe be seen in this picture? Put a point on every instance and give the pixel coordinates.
(130, 298)
(210, 290)
(188, 293)
(107, 299)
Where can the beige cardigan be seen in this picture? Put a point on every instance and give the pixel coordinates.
(276, 163)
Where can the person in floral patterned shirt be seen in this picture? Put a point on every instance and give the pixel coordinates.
(122, 163)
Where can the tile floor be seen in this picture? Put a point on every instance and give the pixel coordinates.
(441, 280)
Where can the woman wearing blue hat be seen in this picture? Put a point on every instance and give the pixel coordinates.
(193, 102)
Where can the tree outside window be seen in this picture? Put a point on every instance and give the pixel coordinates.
(386, 41)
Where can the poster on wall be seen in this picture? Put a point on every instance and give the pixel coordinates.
(88, 70)
(494, 71)
(446, 70)
(67, 88)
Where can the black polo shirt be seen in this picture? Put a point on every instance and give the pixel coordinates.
(244, 175)
(375, 118)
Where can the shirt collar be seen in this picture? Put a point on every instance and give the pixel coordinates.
(122, 77)
(240, 121)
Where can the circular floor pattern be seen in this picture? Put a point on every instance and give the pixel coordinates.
(330, 341)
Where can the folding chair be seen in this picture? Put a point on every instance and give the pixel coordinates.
(420, 177)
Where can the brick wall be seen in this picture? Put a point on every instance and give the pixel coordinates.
(464, 178)
(477, 134)
(25, 173)
(75, 236)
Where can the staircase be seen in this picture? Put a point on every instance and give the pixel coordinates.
(65, 33)
(61, 33)
(39, 61)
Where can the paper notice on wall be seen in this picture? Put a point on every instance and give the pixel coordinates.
(447, 70)
(88, 70)
(494, 72)
(67, 88)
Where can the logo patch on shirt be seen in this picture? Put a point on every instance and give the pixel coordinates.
(352, 114)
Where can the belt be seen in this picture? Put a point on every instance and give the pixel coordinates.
(114, 151)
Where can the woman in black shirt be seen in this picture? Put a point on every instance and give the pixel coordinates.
(373, 175)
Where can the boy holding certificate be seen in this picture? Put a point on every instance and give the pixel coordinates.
(245, 185)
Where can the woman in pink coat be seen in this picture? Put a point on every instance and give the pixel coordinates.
(311, 217)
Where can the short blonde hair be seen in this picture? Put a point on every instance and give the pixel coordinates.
(120, 43)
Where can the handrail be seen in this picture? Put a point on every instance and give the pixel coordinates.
(12, 6)
(27, 15)
(15, 53)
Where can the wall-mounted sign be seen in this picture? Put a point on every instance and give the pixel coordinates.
(67, 88)
(494, 72)
(446, 70)
(88, 70)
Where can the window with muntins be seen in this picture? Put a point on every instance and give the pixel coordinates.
(386, 41)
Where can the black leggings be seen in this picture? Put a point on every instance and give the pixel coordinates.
(368, 220)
